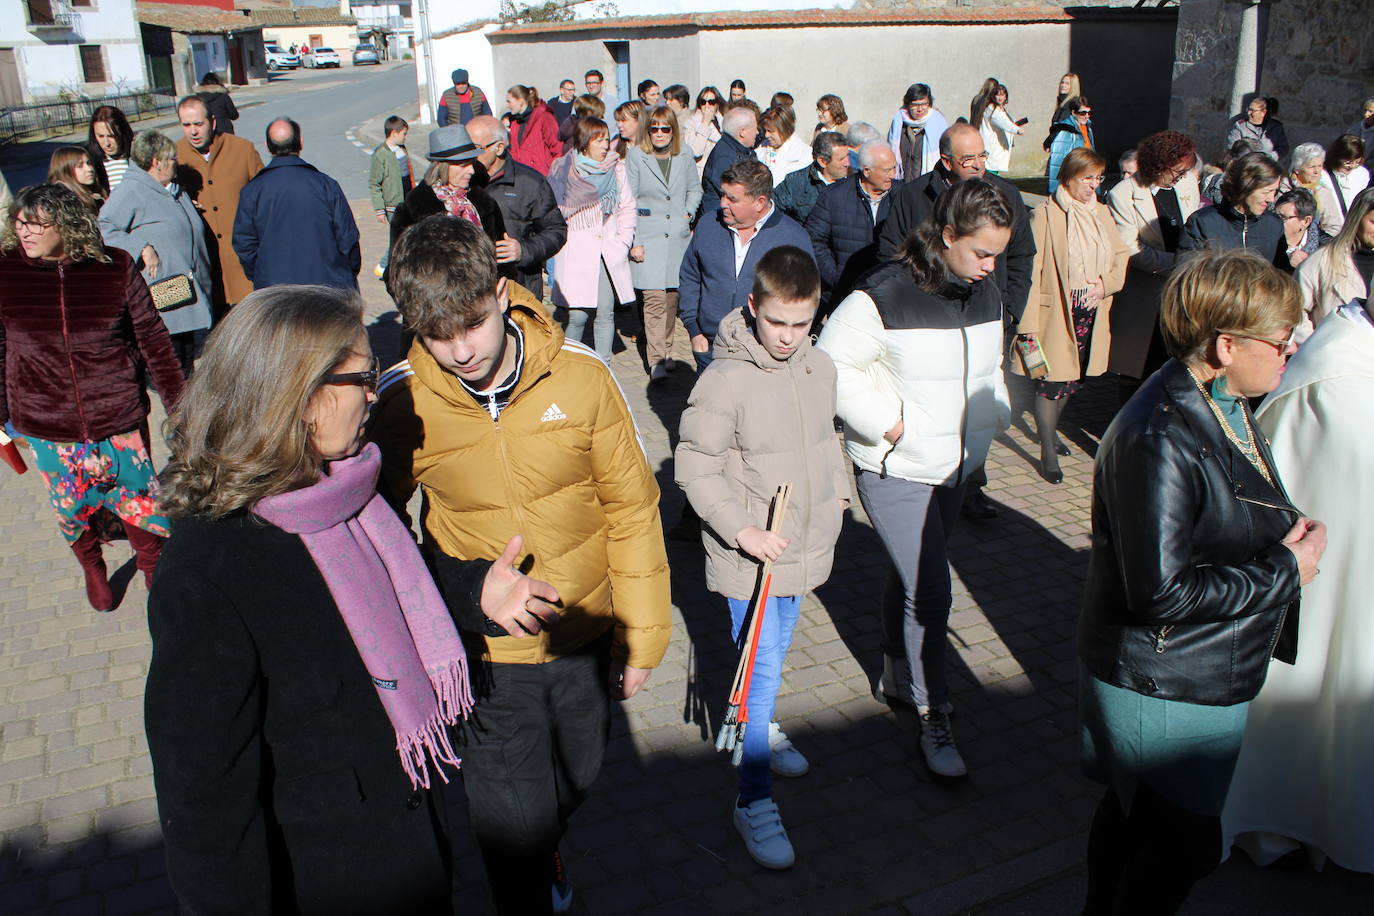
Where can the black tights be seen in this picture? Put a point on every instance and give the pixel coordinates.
(1144, 863)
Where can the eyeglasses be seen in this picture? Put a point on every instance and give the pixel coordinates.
(1179, 173)
(1281, 345)
(920, 105)
(1288, 217)
(37, 227)
(367, 378)
(660, 128)
(710, 101)
(967, 161)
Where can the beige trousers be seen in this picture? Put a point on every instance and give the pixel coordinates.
(660, 314)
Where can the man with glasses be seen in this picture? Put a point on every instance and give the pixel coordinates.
(535, 228)
(1257, 123)
(962, 157)
(596, 85)
(562, 107)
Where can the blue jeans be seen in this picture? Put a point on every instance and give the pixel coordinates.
(386, 255)
(775, 637)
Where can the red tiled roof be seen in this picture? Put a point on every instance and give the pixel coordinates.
(962, 15)
(193, 19)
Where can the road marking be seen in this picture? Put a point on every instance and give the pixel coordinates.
(352, 137)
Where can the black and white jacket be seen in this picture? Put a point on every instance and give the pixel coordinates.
(933, 361)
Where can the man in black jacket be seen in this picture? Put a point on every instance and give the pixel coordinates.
(736, 143)
(848, 216)
(535, 228)
(962, 157)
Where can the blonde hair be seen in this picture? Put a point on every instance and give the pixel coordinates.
(239, 433)
(659, 116)
(1201, 299)
(70, 216)
(634, 111)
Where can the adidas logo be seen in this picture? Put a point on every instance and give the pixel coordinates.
(553, 413)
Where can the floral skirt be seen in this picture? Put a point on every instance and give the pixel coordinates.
(114, 474)
(1083, 318)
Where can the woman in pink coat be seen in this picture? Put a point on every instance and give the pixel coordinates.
(592, 271)
(533, 129)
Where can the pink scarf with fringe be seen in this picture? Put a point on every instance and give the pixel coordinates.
(394, 613)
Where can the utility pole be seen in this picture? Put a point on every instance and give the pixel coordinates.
(425, 63)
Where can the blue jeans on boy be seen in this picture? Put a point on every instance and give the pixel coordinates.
(775, 637)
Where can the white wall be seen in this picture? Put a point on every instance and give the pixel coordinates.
(469, 50)
(588, 9)
(49, 61)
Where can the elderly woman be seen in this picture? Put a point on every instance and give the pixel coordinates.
(78, 338)
(783, 151)
(921, 399)
(108, 141)
(305, 669)
(663, 180)
(1080, 263)
(915, 133)
(592, 272)
(701, 133)
(72, 166)
(1344, 177)
(830, 115)
(1305, 168)
(1073, 132)
(153, 219)
(447, 187)
(1302, 780)
(1244, 218)
(1342, 270)
(1197, 559)
(1149, 209)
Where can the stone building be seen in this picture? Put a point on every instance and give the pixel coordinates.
(72, 47)
(1315, 56)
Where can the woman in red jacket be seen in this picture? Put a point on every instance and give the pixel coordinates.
(533, 129)
(78, 335)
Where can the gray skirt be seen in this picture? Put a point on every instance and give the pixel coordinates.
(1185, 751)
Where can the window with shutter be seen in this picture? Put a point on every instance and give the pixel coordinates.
(92, 64)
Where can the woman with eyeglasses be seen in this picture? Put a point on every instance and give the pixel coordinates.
(1198, 557)
(1073, 132)
(1080, 263)
(305, 670)
(915, 133)
(1150, 209)
(830, 115)
(79, 338)
(666, 188)
(701, 132)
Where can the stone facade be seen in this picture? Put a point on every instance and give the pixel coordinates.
(1316, 58)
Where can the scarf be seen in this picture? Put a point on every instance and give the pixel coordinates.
(909, 121)
(1090, 249)
(523, 116)
(400, 625)
(579, 181)
(455, 201)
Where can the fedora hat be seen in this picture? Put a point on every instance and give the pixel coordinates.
(451, 144)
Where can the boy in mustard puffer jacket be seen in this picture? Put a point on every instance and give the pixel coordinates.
(528, 458)
(761, 415)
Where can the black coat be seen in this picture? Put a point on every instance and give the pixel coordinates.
(278, 783)
(1225, 227)
(1189, 588)
(725, 154)
(422, 202)
(916, 201)
(844, 236)
(221, 107)
(532, 218)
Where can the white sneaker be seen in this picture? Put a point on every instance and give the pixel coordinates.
(783, 758)
(659, 372)
(937, 744)
(760, 825)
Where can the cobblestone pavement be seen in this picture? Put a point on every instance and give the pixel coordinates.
(873, 832)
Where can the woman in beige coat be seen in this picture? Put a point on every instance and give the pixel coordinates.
(1339, 272)
(1150, 209)
(1080, 263)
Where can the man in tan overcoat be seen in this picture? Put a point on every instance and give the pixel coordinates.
(213, 167)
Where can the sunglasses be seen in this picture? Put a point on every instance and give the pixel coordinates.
(660, 129)
(710, 101)
(1084, 111)
(368, 378)
(1281, 345)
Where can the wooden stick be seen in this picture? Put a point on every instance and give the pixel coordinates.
(746, 662)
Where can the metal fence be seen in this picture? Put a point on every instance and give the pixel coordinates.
(66, 114)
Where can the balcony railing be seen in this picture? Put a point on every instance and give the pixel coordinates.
(52, 14)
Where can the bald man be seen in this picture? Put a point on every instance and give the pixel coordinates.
(294, 224)
(741, 129)
(963, 157)
(214, 167)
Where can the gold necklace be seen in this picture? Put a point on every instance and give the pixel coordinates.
(1248, 448)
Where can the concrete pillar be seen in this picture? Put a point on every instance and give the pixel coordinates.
(1246, 76)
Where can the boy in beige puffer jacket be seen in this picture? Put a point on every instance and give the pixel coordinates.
(761, 415)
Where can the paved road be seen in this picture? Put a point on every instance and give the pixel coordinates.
(78, 821)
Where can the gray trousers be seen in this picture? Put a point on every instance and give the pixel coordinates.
(914, 520)
(603, 325)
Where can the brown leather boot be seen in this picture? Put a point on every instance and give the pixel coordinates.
(147, 549)
(98, 592)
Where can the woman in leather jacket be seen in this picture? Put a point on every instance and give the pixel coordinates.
(1193, 583)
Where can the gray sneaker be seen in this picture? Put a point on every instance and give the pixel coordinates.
(937, 744)
(783, 758)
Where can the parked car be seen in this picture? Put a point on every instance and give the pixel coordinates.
(366, 54)
(316, 58)
(277, 59)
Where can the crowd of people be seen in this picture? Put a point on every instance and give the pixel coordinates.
(885, 279)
